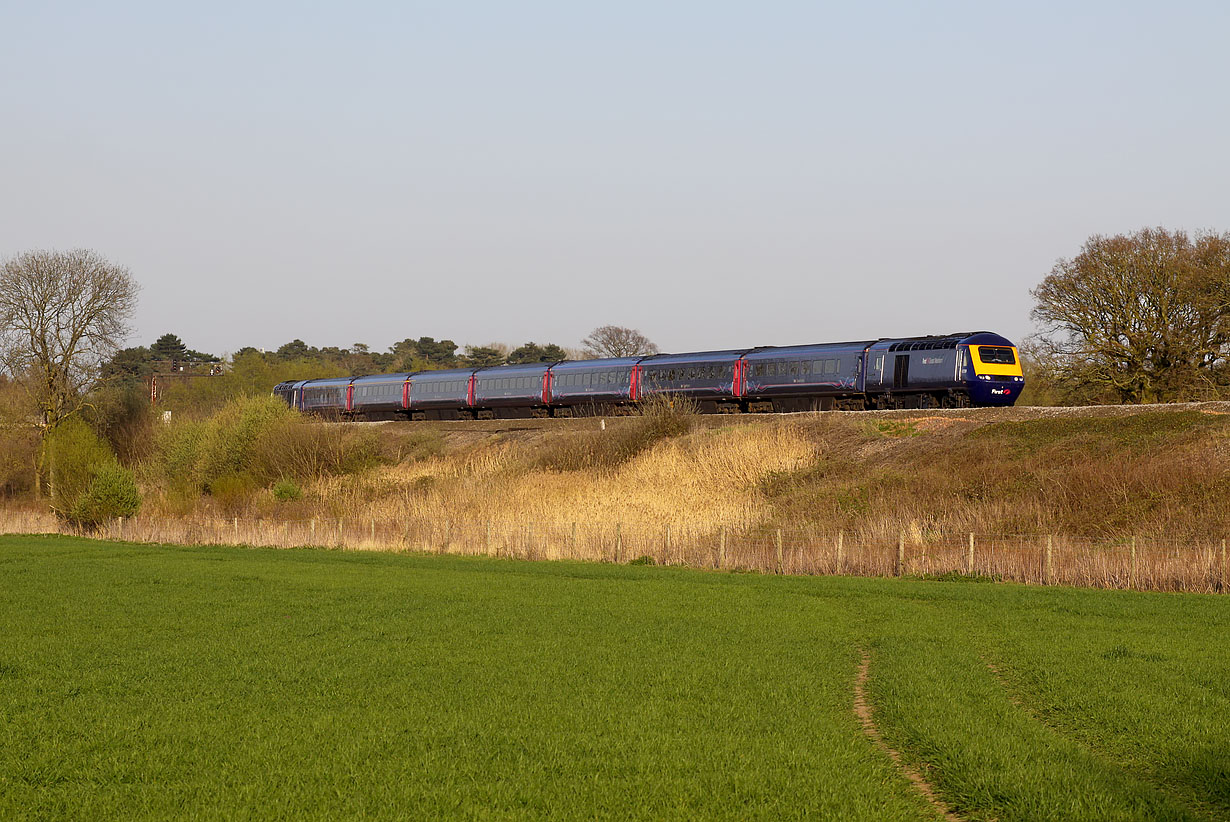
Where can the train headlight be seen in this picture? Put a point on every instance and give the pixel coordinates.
(986, 377)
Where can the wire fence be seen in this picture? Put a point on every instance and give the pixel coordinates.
(1152, 565)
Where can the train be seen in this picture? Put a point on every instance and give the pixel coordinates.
(977, 368)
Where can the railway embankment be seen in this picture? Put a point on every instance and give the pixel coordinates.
(1110, 496)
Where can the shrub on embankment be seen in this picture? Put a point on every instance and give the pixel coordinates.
(246, 448)
(88, 485)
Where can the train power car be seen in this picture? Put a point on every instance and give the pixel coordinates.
(950, 371)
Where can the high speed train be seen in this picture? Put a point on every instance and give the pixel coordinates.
(950, 371)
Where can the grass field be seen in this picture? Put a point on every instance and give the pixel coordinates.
(156, 681)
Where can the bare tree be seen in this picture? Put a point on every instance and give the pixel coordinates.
(1139, 318)
(62, 314)
(617, 341)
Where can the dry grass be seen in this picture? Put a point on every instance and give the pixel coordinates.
(840, 493)
(1155, 566)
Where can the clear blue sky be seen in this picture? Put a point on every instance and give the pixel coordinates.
(715, 174)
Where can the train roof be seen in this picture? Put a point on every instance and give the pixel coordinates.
(777, 350)
(604, 362)
(695, 356)
(447, 374)
(985, 338)
(401, 376)
(516, 368)
(328, 382)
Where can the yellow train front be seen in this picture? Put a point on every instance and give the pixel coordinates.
(953, 371)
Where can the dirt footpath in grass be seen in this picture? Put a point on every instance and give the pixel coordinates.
(862, 709)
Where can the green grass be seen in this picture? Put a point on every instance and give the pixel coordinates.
(155, 681)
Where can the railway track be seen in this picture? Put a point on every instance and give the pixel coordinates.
(981, 415)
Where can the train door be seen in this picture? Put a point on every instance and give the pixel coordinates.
(875, 371)
(901, 371)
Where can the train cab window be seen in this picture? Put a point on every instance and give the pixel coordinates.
(997, 355)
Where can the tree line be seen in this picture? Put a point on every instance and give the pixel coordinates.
(169, 354)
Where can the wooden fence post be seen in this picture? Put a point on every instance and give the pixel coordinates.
(236, 529)
(841, 547)
(487, 538)
(969, 561)
(572, 542)
(619, 541)
(901, 554)
(722, 547)
(340, 524)
(667, 557)
(529, 540)
(121, 536)
(779, 550)
(313, 531)
(1047, 573)
(373, 529)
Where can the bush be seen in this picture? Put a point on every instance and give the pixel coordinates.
(73, 455)
(232, 491)
(111, 493)
(233, 436)
(17, 454)
(122, 416)
(306, 450)
(287, 490)
(661, 417)
(263, 440)
(178, 449)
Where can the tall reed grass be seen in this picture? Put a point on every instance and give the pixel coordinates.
(1134, 564)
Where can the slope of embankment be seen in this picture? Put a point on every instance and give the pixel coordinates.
(1156, 472)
